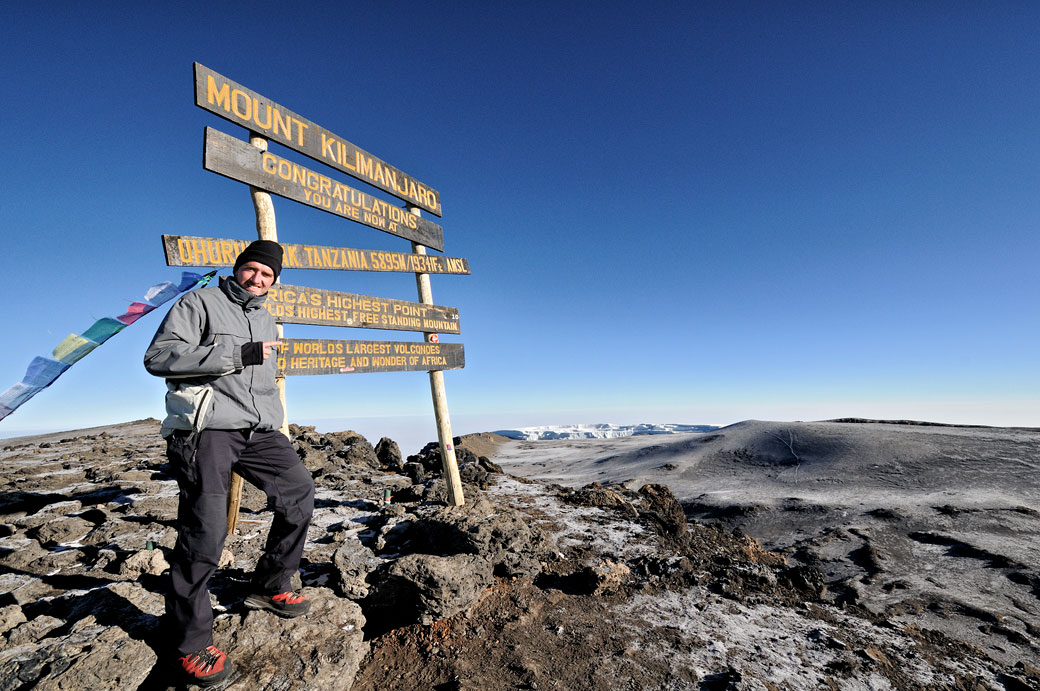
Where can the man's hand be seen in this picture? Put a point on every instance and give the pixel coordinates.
(270, 347)
(256, 352)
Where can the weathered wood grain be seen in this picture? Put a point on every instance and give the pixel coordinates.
(290, 304)
(188, 250)
(234, 102)
(298, 356)
(238, 160)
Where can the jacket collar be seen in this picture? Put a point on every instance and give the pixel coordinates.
(239, 295)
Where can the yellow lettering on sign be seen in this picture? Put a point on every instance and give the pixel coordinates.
(439, 325)
(389, 361)
(283, 125)
(300, 126)
(363, 348)
(327, 148)
(257, 116)
(343, 157)
(236, 96)
(395, 321)
(184, 251)
(410, 310)
(227, 252)
(252, 111)
(321, 191)
(317, 348)
(269, 163)
(208, 252)
(363, 165)
(219, 97)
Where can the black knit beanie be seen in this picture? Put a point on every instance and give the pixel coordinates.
(267, 252)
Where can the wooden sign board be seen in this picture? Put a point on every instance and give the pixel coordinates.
(232, 101)
(187, 250)
(300, 356)
(298, 305)
(244, 162)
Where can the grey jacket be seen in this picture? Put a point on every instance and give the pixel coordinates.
(198, 348)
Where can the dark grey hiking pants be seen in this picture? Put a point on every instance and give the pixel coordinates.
(264, 459)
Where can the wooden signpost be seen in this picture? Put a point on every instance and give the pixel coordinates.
(298, 305)
(186, 250)
(299, 356)
(266, 173)
(232, 101)
(266, 229)
(238, 160)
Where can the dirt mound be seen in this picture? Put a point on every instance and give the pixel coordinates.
(481, 443)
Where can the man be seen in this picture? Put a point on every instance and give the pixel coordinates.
(217, 350)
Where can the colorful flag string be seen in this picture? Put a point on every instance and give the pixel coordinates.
(43, 371)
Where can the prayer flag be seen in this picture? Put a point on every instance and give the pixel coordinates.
(73, 348)
(43, 371)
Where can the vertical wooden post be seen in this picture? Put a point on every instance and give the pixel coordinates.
(449, 463)
(265, 230)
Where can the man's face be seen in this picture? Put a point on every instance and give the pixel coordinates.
(255, 277)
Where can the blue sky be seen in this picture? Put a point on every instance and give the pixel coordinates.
(674, 212)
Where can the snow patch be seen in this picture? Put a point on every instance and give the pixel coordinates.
(603, 430)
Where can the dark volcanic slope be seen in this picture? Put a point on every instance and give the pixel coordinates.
(934, 524)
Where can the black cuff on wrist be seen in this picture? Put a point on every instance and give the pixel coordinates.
(252, 353)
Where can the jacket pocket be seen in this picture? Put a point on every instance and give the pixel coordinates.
(227, 338)
(187, 407)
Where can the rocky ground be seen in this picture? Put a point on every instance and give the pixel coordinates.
(928, 525)
(530, 585)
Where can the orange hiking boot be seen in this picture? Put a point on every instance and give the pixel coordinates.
(287, 604)
(206, 667)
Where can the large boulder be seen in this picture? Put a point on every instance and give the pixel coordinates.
(129, 536)
(61, 531)
(503, 536)
(389, 455)
(322, 650)
(90, 656)
(125, 604)
(662, 510)
(474, 474)
(427, 588)
(473, 469)
(429, 457)
(30, 632)
(156, 507)
(328, 453)
(353, 562)
(415, 472)
(23, 589)
(20, 555)
(595, 494)
(149, 561)
(10, 617)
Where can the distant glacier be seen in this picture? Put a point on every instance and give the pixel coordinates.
(598, 431)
